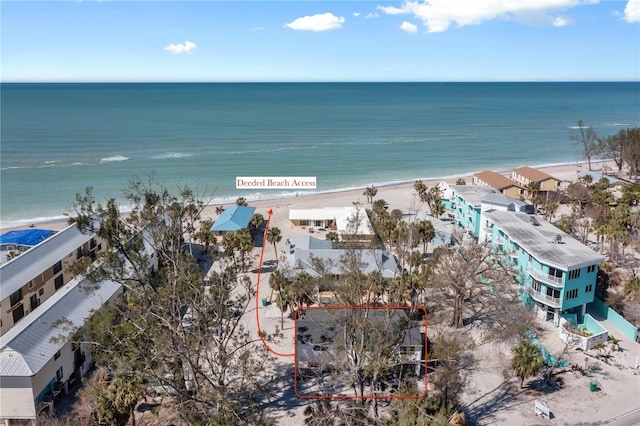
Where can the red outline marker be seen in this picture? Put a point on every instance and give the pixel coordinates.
(264, 239)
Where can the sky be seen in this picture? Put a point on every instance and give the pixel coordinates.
(292, 41)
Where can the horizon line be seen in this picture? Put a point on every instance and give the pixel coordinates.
(301, 81)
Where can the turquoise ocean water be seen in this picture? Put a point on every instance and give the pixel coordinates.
(56, 139)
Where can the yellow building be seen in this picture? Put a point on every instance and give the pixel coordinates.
(499, 182)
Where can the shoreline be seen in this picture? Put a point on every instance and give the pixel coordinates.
(562, 171)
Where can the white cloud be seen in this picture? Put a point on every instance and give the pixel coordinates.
(185, 47)
(356, 14)
(559, 21)
(438, 15)
(318, 22)
(371, 15)
(632, 11)
(409, 27)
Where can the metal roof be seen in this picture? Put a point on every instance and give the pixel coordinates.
(473, 194)
(22, 269)
(544, 241)
(29, 345)
(371, 260)
(26, 237)
(234, 218)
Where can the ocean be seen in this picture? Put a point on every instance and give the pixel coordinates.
(56, 139)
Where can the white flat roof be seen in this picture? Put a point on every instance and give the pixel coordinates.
(541, 240)
(31, 343)
(22, 269)
(341, 215)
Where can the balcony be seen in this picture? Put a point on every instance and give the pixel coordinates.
(545, 278)
(554, 302)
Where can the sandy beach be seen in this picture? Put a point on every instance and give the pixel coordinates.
(400, 196)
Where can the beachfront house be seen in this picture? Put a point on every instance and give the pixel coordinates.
(29, 279)
(13, 243)
(525, 176)
(300, 251)
(320, 334)
(232, 219)
(556, 272)
(498, 182)
(350, 223)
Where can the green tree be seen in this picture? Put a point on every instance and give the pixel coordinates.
(206, 235)
(257, 220)
(274, 236)
(210, 361)
(241, 201)
(332, 236)
(585, 139)
(527, 360)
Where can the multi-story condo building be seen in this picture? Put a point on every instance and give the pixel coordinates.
(469, 201)
(556, 272)
(31, 278)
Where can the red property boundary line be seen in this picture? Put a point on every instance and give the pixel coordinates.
(264, 342)
(426, 356)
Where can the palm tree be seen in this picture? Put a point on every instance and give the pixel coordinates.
(277, 281)
(206, 235)
(255, 223)
(219, 210)
(370, 192)
(426, 231)
(527, 360)
(274, 236)
(284, 302)
(599, 348)
(241, 201)
(615, 343)
(461, 181)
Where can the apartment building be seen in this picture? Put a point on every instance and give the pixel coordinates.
(500, 183)
(34, 276)
(556, 272)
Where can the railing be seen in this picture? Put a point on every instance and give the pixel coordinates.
(546, 278)
(554, 302)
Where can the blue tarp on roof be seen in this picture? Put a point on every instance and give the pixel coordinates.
(26, 237)
(234, 218)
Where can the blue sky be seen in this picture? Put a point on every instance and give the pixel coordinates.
(220, 41)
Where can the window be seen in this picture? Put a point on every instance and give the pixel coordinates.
(553, 272)
(79, 253)
(574, 274)
(59, 281)
(16, 297)
(59, 374)
(536, 286)
(92, 244)
(18, 313)
(572, 294)
(41, 292)
(304, 222)
(57, 267)
(33, 301)
(589, 288)
(591, 269)
(56, 355)
(31, 284)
